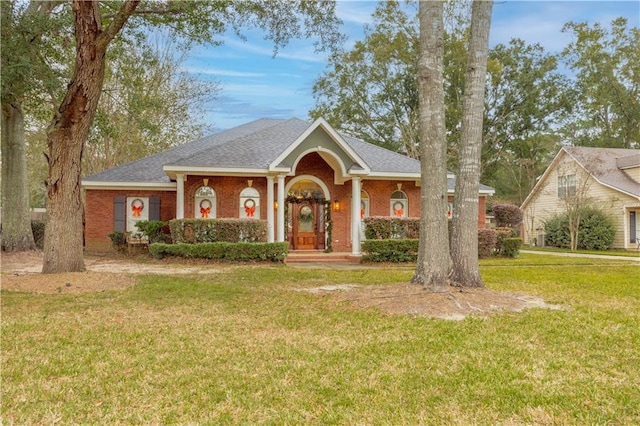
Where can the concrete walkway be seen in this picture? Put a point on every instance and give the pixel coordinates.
(593, 256)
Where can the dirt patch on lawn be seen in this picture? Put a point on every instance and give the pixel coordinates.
(412, 299)
(21, 272)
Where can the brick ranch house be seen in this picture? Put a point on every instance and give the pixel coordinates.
(285, 172)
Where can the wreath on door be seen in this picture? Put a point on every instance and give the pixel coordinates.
(305, 214)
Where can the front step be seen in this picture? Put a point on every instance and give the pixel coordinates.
(320, 257)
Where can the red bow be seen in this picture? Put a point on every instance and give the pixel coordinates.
(204, 212)
(398, 212)
(136, 210)
(250, 211)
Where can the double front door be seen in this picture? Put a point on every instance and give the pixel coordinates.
(307, 226)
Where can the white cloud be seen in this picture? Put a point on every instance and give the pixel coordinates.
(219, 72)
(356, 12)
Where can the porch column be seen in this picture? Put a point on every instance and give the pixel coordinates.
(280, 230)
(270, 206)
(355, 216)
(180, 196)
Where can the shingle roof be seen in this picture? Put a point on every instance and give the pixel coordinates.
(602, 164)
(149, 169)
(254, 145)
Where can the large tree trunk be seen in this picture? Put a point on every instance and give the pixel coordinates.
(434, 261)
(464, 239)
(16, 222)
(63, 243)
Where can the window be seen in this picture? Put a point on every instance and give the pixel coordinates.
(399, 204)
(566, 186)
(249, 203)
(137, 210)
(364, 205)
(205, 203)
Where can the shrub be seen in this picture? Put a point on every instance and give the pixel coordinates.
(156, 231)
(502, 234)
(596, 230)
(37, 227)
(274, 252)
(511, 247)
(556, 231)
(394, 250)
(507, 215)
(386, 228)
(218, 230)
(487, 239)
(118, 240)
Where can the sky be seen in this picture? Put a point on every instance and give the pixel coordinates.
(255, 85)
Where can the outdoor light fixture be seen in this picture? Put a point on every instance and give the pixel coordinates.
(275, 205)
(335, 206)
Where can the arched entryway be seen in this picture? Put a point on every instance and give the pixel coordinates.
(306, 212)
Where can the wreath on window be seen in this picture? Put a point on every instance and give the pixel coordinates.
(137, 206)
(205, 208)
(250, 208)
(398, 209)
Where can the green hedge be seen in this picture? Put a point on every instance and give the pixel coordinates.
(157, 231)
(385, 228)
(406, 250)
(218, 230)
(596, 230)
(274, 252)
(510, 247)
(390, 250)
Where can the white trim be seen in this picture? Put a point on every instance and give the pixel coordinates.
(270, 208)
(318, 149)
(157, 186)
(280, 236)
(180, 178)
(171, 171)
(356, 190)
(339, 140)
(316, 180)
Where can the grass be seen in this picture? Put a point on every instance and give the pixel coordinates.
(243, 347)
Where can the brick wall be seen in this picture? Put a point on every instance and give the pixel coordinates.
(99, 204)
(99, 220)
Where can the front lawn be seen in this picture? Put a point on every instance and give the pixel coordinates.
(244, 346)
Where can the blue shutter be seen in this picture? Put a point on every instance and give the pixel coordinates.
(119, 213)
(154, 208)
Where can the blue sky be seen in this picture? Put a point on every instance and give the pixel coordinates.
(254, 84)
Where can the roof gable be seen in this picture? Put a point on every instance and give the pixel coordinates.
(322, 138)
(600, 163)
